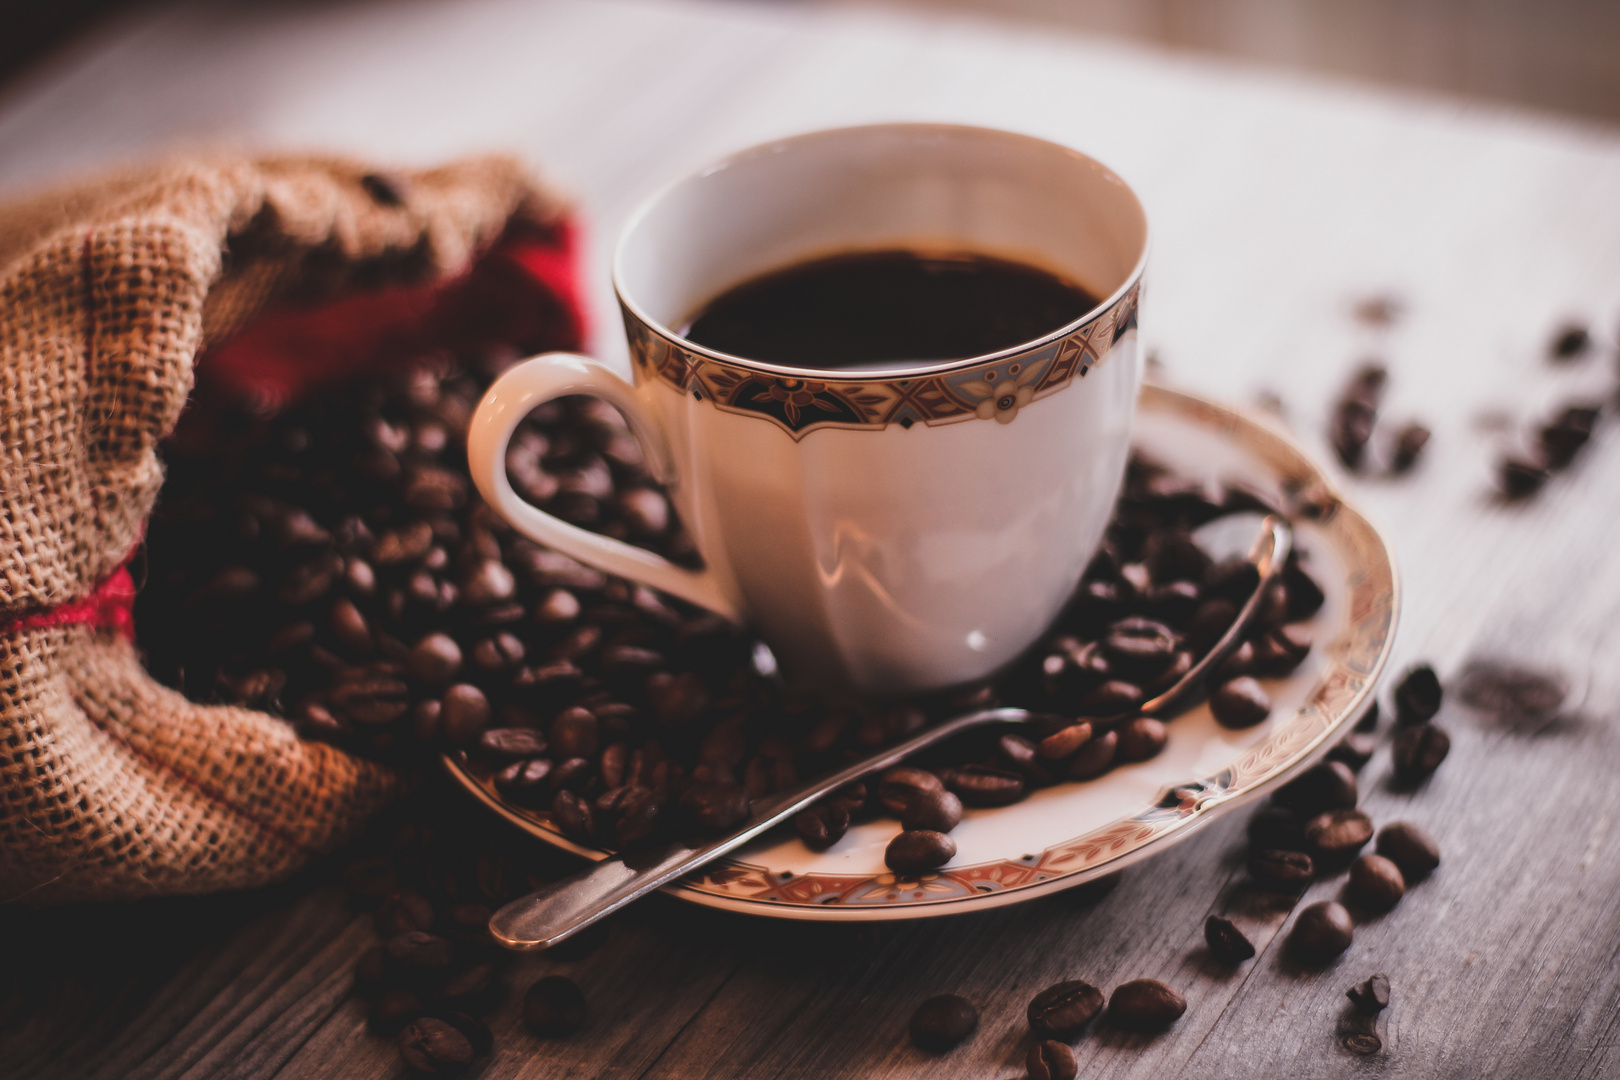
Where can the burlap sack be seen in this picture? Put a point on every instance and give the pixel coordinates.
(112, 786)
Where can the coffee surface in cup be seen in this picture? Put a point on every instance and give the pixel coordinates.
(869, 308)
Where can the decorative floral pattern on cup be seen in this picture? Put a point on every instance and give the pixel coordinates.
(996, 389)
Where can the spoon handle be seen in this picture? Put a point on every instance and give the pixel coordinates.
(559, 910)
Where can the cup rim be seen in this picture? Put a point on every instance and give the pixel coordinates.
(647, 205)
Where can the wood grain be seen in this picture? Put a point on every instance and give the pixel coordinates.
(1276, 204)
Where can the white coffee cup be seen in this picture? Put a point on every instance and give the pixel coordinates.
(888, 531)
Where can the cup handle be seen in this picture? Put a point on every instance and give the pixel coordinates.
(533, 383)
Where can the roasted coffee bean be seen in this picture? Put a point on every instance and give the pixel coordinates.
(1418, 696)
(465, 714)
(1240, 661)
(640, 814)
(350, 627)
(1409, 847)
(468, 923)
(498, 653)
(1370, 997)
(1145, 1005)
(1570, 341)
(1377, 882)
(573, 816)
(1064, 742)
(937, 811)
(1062, 1011)
(1287, 871)
(436, 658)
(918, 851)
(476, 1031)
(1139, 648)
(1305, 596)
(677, 700)
(1240, 703)
(1114, 697)
(575, 733)
(1210, 622)
(984, 785)
(508, 744)
(1336, 835)
(554, 1007)
(1409, 444)
(403, 912)
(557, 606)
(822, 825)
(572, 774)
(1021, 755)
(1354, 750)
(523, 783)
(645, 511)
(475, 990)
(394, 1008)
(1322, 931)
(1520, 478)
(1328, 786)
(371, 699)
(1095, 757)
(718, 805)
(1418, 751)
(418, 958)
(1367, 722)
(942, 1022)
(1276, 828)
(1226, 942)
(1051, 1060)
(1280, 651)
(1141, 739)
(898, 787)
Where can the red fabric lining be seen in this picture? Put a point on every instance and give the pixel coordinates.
(110, 606)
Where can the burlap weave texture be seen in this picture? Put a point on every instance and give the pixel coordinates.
(112, 786)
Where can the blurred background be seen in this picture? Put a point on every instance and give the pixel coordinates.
(1560, 56)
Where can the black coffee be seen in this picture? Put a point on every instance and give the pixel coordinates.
(873, 307)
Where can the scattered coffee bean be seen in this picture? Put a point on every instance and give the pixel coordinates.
(718, 805)
(1367, 722)
(1363, 1042)
(938, 811)
(1062, 1011)
(465, 715)
(1418, 752)
(1570, 341)
(1095, 757)
(899, 787)
(822, 826)
(919, 851)
(1051, 1060)
(554, 1007)
(1139, 648)
(1417, 696)
(1064, 742)
(1336, 835)
(434, 1048)
(1409, 847)
(573, 816)
(1354, 750)
(1145, 1005)
(1288, 871)
(1141, 739)
(1321, 932)
(1240, 703)
(1356, 413)
(436, 658)
(984, 785)
(1226, 942)
(942, 1022)
(510, 744)
(1328, 786)
(1409, 444)
(1377, 882)
(1520, 478)
(403, 912)
(1370, 997)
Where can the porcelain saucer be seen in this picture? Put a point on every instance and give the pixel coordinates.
(1065, 835)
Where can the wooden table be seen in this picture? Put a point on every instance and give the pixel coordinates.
(1277, 205)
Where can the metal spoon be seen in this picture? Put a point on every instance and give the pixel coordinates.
(556, 912)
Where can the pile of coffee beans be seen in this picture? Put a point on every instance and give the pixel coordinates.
(334, 565)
